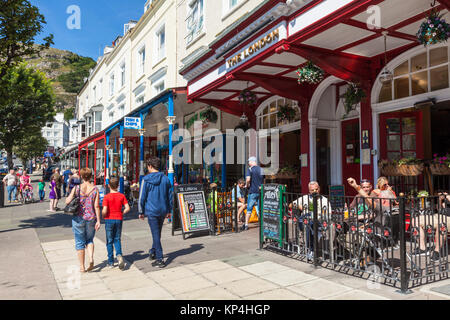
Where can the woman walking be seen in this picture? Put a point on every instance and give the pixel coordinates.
(74, 180)
(87, 221)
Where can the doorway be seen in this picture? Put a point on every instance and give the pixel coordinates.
(323, 159)
(351, 161)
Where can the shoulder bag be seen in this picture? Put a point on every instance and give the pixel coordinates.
(74, 205)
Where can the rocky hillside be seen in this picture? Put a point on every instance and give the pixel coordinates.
(67, 71)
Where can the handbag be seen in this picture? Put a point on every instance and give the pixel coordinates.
(74, 205)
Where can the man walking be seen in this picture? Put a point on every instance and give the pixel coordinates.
(10, 181)
(66, 175)
(254, 181)
(155, 202)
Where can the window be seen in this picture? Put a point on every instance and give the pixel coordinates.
(194, 20)
(267, 117)
(98, 121)
(122, 110)
(94, 91)
(89, 126)
(83, 130)
(100, 89)
(140, 100)
(111, 117)
(111, 85)
(159, 87)
(160, 43)
(141, 62)
(122, 75)
(423, 73)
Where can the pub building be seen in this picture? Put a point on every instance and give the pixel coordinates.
(403, 114)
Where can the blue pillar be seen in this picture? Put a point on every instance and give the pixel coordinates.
(171, 123)
(141, 151)
(107, 157)
(224, 162)
(122, 187)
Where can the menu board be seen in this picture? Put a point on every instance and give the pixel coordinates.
(192, 208)
(337, 196)
(272, 222)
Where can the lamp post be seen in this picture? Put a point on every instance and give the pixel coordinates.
(141, 170)
(171, 121)
(107, 148)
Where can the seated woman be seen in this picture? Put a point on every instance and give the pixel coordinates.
(360, 204)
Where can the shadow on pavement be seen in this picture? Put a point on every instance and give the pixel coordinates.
(53, 220)
(140, 255)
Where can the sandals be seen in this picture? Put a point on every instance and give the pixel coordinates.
(91, 267)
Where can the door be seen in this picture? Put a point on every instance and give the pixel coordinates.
(401, 137)
(323, 159)
(351, 163)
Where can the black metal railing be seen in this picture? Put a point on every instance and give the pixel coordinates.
(401, 241)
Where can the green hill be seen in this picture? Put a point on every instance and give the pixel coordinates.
(67, 72)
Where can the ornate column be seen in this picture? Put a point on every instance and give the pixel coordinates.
(141, 165)
(107, 148)
(121, 168)
(171, 121)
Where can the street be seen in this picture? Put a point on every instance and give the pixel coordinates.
(38, 261)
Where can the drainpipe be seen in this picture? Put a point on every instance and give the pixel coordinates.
(171, 120)
(121, 169)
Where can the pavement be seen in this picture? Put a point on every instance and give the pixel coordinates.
(38, 261)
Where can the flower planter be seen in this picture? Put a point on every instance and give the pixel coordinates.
(439, 170)
(411, 170)
(390, 170)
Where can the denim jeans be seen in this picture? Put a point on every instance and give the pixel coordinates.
(84, 232)
(13, 190)
(253, 200)
(41, 195)
(64, 188)
(113, 230)
(156, 224)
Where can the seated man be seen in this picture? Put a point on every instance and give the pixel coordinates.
(241, 203)
(306, 206)
(360, 204)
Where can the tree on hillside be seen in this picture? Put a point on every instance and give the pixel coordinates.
(73, 81)
(20, 23)
(31, 146)
(26, 105)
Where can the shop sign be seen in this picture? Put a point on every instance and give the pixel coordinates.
(132, 123)
(272, 226)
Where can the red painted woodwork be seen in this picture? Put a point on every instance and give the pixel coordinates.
(350, 169)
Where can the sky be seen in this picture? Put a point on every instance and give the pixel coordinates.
(101, 21)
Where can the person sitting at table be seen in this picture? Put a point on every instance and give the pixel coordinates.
(383, 191)
(306, 206)
(241, 202)
(361, 204)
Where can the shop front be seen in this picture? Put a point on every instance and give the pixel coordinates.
(356, 119)
(92, 155)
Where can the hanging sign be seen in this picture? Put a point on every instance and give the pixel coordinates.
(132, 123)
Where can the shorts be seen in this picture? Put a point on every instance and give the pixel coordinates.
(84, 232)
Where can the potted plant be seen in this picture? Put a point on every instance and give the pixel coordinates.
(410, 166)
(310, 73)
(433, 30)
(388, 168)
(208, 115)
(246, 97)
(286, 113)
(352, 97)
(440, 166)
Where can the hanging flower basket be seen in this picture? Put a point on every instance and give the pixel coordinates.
(411, 170)
(433, 30)
(389, 170)
(286, 113)
(208, 116)
(352, 97)
(439, 169)
(246, 97)
(310, 73)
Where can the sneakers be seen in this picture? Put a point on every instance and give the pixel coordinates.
(159, 263)
(244, 228)
(110, 266)
(420, 252)
(121, 262)
(435, 256)
(152, 256)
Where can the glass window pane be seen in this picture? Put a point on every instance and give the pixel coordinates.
(409, 155)
(401, 69)
(419, 82)
(409, 125)
(409, 142)
(273, 107)
(438, 56)
(266, 123)
(393, 156)
(393, 125)
(266, 110)
(273, 121)
(393, 143)
(439, 78)
(419, 62)
(401, 87)
(385, 93)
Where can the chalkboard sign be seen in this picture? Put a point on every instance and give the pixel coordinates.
(192, 208)
(272, 212)
(337, 197)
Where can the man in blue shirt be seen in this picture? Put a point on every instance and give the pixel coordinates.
(155, 202)
(241, 203)
(66, 175)
(254, 182)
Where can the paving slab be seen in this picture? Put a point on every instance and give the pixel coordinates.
(194, 283)
(319, 289)
(277, 294)
(357, 295)
(154, 292)
(288, 277)
(209, 266)
(212, 293)
(263, 268)
(167, 275)
(249, 286)
(226, 275)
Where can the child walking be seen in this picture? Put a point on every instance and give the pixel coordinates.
(112, 212)
(52, 195)
(41, 190)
